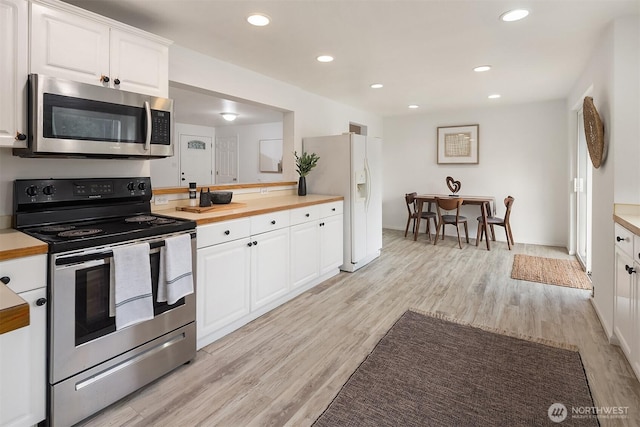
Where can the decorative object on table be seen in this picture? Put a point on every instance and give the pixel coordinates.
(220, 197)
(304, 163)
(458, 144)
(551, 271)
(192, 194)
(204, 198)
(593, 132)
(431, 370)
(454, 186)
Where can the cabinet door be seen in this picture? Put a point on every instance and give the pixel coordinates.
(305, 253)
(13, 69)
(269, 267)
(331, 243)
(623, 325)
(139, 64)
(68, 46)
(22, 367)
(222, 285)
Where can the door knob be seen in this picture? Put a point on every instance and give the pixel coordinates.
(41, 301)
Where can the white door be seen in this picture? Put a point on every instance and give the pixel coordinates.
(305, 253)
(582, 187)
(226, 159)
(223, 285)
(195, 160)
(269, 267)
(331, 237)
(13, 69)
(623, 325)
(359, 190)
(140, 65)
(68, 46)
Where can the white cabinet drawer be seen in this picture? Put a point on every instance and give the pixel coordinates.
(624, 239)
(269, 221)
(221, 232)
(305, 214)
(25, 273)
(328, 209)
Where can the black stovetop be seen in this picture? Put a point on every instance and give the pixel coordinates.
(71, 214)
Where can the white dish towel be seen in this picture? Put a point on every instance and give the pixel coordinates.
(175, 276)
(131, 299)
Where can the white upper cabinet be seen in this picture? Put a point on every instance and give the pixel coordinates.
(73, 44)
(13, 69)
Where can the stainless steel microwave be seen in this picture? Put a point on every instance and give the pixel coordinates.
(71, 119)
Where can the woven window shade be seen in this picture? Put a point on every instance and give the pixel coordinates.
(593, 131)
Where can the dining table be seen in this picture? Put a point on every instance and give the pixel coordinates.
(486, 203)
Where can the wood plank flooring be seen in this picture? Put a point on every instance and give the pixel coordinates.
(285, 367)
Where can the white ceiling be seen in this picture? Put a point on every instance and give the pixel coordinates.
(423, 51)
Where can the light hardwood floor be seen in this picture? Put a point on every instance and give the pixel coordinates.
(285, 367)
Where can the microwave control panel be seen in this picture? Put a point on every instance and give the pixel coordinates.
(160, 127)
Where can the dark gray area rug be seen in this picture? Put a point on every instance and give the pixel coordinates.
(428, 371)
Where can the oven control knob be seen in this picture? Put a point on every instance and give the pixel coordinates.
(131, 186)
(41, 301)
(32, 190)
(142, 186)
(49, 190)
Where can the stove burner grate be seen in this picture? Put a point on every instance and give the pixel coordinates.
(55, 229)
(140, 218)
(163, 221)
(80, 232)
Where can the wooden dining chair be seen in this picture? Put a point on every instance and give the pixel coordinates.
(502, 222)
(448, 205)
(410, 198)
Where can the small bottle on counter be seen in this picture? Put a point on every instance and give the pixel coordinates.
(193, 194)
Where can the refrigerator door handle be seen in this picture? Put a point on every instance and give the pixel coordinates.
(366, 167)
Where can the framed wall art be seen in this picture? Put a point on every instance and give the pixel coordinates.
(458, 144)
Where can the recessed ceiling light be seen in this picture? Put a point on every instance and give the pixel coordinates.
(414, 106)
(376, 86)
(258, 19)
(514, 15)
(325, 58)
(229, 116)
(494, 96)
(482, 68)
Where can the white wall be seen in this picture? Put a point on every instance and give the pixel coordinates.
(249, 149)
(612, 76)
(522, 153)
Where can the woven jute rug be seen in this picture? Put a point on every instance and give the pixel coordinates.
(552, 271)
(430, 371)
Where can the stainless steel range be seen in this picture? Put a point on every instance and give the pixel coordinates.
(90, 363)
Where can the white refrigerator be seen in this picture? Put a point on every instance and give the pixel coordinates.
(350, 165)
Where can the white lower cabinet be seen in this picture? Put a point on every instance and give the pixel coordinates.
(223, 285)
(23, 351)
(249, 266)
(626, 304)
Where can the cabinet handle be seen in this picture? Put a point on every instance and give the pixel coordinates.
(273, 222)
(41, 301)
(5, 280)
(104, 79)
(249, 244)
(255, 243)
(629, 269)
(619, 239)
(116, 81)
(307, 215)
(20, 136)
(333, 209)
(227, 232)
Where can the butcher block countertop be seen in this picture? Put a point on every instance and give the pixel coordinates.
(252, 207)
(627, 216)
(14, 311)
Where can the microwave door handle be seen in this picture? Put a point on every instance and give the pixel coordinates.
(147, 141)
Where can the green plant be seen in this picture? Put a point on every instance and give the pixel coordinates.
(305, 162)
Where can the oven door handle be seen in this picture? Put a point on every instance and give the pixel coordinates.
(147, 140)
(75, 259)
